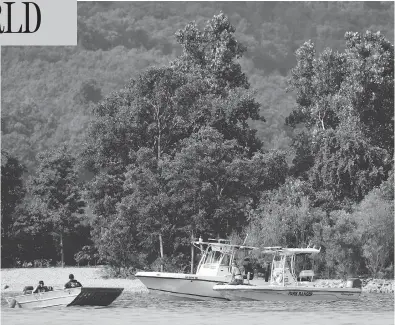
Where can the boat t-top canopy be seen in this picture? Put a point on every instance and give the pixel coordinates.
(290, 251)
(223, 244)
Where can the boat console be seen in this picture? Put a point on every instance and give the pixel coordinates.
(283, 265)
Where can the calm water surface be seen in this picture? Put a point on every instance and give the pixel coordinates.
(147, 309)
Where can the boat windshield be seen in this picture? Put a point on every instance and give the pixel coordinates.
(213, 257)
(278, 262)
(225, 260)
(217, 257)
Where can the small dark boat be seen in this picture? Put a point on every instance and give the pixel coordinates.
(82, 296)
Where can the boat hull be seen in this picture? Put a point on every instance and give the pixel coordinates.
(289, 293)
(82, 296)
(184, 286)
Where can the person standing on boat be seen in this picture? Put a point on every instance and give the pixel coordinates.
(72, 283)
(236, 274)
(40, 287)
(248, 269)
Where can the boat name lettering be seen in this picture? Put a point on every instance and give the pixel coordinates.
(191, 277)
(300, 293)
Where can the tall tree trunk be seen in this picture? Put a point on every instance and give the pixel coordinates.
(61, 249)
(192, 254)
(159, 157)
(161, 252)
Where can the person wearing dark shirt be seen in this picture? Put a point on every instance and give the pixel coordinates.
(72, 283)
(40, 288)
(248, 269)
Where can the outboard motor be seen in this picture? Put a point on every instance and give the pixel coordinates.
(354, 283)
(12, 303)
(27, 289)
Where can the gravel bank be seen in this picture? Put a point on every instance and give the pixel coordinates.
(368, 285)
(17, 279)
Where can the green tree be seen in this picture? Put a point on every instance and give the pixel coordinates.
(205, 188)
(145, 205)
(347, 165)
(341, 99)
(201, 185)
(33, 234)
(12, 193)
(211, 57)
(25, 129)
(375, 219)
(214, 50)
(341, 245)
(368, 88)
(55, 187)
(285, 216)
(154, 114)
(354, 88)
(316, 82)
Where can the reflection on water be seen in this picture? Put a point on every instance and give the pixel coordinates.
(146, 309)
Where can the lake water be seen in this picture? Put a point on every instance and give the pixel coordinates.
(146, 309)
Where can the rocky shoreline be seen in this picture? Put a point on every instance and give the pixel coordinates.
(14, 280)
(369, 285)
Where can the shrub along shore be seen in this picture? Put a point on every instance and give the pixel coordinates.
(14, 280)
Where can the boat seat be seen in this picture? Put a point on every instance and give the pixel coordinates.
(306, 275)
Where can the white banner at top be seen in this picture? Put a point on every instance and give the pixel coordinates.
(38, 22)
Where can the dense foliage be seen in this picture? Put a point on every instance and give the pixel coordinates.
(156, 129)
(48, 92)
(12, 193)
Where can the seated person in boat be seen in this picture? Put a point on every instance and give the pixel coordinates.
(72, 283)
(236, 274)
(40, 287)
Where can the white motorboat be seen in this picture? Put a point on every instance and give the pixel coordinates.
(214, 267)
(81, 296)
(284, 285)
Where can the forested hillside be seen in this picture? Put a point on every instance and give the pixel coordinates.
(47, 91)
(273, 119)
